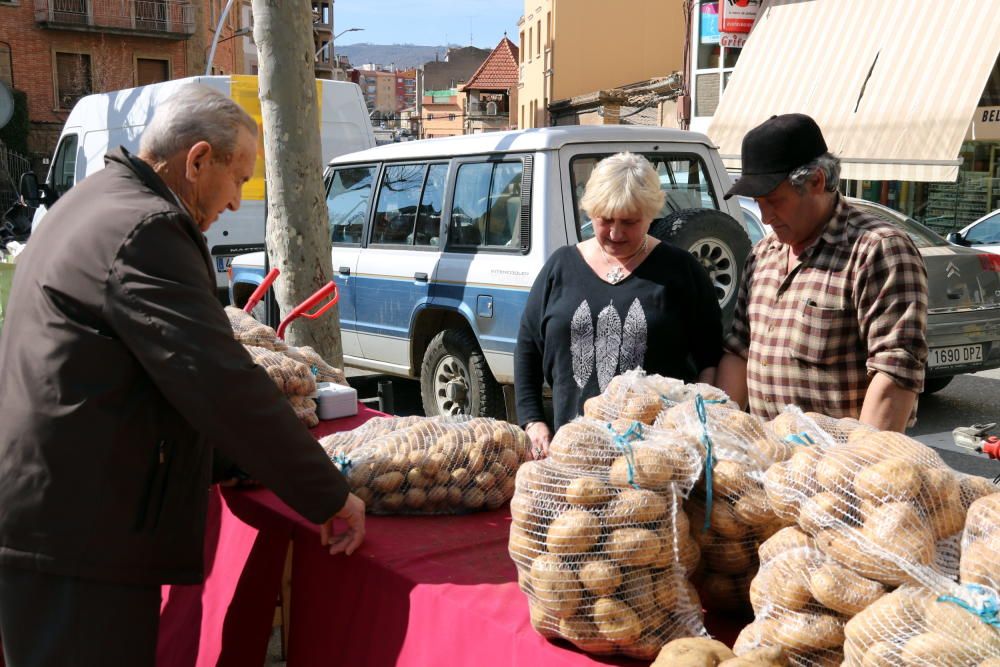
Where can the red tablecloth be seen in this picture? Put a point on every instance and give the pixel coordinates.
(420, 591)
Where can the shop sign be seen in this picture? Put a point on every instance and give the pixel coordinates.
(732, 40)
(709, 24)
(737, 15)
(986, 124)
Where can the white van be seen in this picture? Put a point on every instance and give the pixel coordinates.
(436, 244)
(101, 122)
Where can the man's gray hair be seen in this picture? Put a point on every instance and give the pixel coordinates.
(195, 113)
(828, 163)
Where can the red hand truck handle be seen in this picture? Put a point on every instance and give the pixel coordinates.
(300, 310)
(261, 290)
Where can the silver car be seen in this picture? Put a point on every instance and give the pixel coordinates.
(963, 318)
(983, 234)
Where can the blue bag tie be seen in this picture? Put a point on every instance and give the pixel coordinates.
(799, 438)
(985, 603)
(342, 462)
(699, 406)
(623, 441)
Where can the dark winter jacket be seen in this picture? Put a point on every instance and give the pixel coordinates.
(117, 368)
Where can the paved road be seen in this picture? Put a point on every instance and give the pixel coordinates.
(969, 399)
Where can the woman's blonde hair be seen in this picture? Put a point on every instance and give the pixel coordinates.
(622, 185)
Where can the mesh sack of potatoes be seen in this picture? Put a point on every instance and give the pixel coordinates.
(605, 563)
(345, 442)
(323, 371)
(729, 512)
(706, 652)
(438, 465)
(305, 410)
(877, 502)
(628, 397)
(945, 625)
(291, 377)
(981, 542)
(802, 599)
(249, 331)
(673, 391)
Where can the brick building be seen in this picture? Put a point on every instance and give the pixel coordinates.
(406, 88)
(56, 51)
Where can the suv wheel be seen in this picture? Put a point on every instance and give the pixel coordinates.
(456, 380)
(717, 241)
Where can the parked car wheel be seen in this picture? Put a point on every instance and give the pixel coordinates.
(456, 380)
(717, 241)
(934, 385)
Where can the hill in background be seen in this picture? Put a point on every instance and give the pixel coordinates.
(404, 56)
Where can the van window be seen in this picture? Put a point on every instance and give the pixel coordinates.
(347, 202)
(683, 180)
(398, 199)
(428, 228)
(64, 167)
(486, 212)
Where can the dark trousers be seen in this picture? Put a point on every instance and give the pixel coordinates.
(54, 621)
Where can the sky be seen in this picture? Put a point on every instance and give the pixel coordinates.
(429, 22)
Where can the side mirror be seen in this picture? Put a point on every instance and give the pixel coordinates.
(956, 238)
(29, 189)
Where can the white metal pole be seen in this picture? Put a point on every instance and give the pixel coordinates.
(215, 38)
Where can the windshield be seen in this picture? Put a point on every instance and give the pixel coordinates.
(682, 179)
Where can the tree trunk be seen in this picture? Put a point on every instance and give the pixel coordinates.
(298, 240)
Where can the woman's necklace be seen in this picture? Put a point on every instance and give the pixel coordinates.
(617, 272)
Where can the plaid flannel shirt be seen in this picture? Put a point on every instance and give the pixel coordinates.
(856, 304)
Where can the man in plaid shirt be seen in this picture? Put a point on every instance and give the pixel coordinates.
(832, 310)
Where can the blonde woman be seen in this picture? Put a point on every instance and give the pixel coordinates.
(617, 301)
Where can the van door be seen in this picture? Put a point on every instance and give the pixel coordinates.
(399, 264)
(348, 200)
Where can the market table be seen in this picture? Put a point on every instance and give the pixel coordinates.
(420, 591)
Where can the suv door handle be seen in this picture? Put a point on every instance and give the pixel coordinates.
(345, 270)
(420, 276)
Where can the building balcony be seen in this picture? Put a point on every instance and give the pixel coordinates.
(483, 123)
(168, 19)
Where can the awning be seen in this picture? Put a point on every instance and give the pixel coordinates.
(892, 83)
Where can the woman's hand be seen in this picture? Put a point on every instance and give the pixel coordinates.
(540, 436)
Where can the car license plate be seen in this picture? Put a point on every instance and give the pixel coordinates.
(956, 355)
(223, 262)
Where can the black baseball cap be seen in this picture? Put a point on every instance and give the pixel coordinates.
(775, 148)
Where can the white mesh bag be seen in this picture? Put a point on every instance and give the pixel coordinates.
(438, 465)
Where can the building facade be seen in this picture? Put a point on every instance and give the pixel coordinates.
(491, 92)
(406, 88)
(561, 56)
(442, 113)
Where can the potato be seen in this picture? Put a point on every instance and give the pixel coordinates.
(899, 530)
(542, 621)
(509, 459)
(600, 577)
(753, 509)
(415, 498)
(616, 621)
(881, 654)
(651, 468)
(476, 460)
(365, 494)
(771, 450)
(780, 496)
(632, 547)
(725, 523)
(389, 482)
(958, 622)
(784, 540)
(809, 631)
(835, 471)
(582, 632)
(454, 496)
(461, 477)
(555, 585)
(666, 590)
(973, 488)
(891, 479)
(824, 510)
(417, 479)
(485, 481)
(801, 471)
(843, 590)
(758, 633)
(730, 557)
(693, 652)
(764, 656)
(931, 648)
(522, 545)
(390, 502)
(978, 563)
(946, 520)
(636, 506)
(688, 553)
(785, 580)
(495, 498)
(845, 548)
(730, 478)
(582, 443)
(473, 498)
(942, 488)
(573, 532)
(587, 491)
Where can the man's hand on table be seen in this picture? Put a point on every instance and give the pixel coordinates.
(353, 512)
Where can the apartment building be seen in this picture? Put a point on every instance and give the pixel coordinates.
(561, 54)
(491, 92)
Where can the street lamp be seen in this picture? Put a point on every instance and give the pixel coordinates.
(333, 56)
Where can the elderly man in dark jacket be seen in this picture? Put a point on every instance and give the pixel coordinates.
(118, 368)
